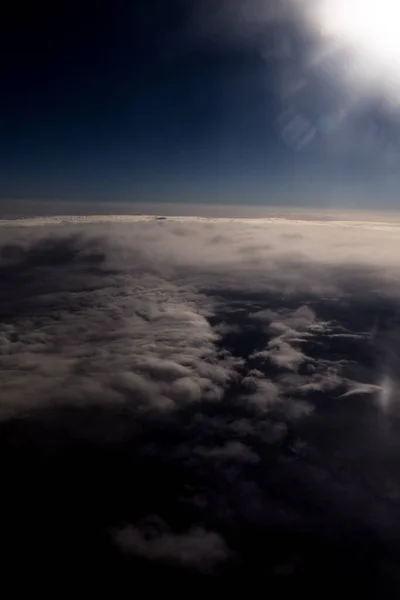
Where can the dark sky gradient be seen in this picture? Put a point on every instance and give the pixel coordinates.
(180, 100)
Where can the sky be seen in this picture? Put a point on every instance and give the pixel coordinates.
(188, 101)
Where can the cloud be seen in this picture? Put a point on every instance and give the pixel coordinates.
(231, 451)
(288, 329)
(196, 549)
(192, 395)
(361, 388)
(282, 354)
(102, 332)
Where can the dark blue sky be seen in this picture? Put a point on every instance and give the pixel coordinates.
(198, 100)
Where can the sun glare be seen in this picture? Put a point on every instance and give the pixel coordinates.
(368, 26)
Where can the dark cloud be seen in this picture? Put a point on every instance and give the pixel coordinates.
(173, 410)
(197, 548)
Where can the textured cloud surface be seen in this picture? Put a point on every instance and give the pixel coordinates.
(197, 398)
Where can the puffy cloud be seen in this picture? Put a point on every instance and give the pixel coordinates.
(79, 333)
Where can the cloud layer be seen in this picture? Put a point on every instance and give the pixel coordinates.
(208, 398)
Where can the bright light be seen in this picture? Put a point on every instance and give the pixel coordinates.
(367, 26)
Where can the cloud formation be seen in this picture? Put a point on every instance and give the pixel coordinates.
(213, 398)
